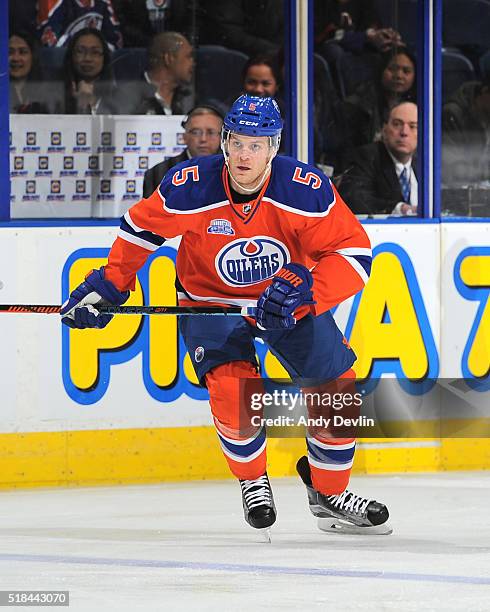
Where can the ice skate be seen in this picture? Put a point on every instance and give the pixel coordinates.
(344, 513)
(258, 504)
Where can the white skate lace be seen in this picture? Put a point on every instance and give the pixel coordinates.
(256, 492)
(350, 502)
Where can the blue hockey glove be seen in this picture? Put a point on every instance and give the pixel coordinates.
(80, 310)
(290, 288)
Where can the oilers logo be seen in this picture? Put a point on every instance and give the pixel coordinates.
(247, 261)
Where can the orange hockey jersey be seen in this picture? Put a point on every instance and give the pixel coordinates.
(230, 252)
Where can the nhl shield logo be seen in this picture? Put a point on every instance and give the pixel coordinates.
(199, 354)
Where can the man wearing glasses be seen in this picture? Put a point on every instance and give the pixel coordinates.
(202, 137)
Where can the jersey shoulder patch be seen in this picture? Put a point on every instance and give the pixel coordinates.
(193, 184)
(301, 187)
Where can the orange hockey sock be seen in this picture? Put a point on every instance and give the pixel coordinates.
(331, 456)
(243, 445)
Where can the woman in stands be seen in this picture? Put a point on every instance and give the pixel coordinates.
(261, 77)
(89, 81)
(365, 110)
(27, 92)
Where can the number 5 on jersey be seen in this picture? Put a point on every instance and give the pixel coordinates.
(181, 176)
(309, 179)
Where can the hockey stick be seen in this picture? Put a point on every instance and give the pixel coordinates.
(135, 310)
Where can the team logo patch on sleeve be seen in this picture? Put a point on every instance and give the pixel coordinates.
(221, 226)
(247, 261)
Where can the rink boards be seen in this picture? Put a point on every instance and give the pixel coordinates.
(122, 404)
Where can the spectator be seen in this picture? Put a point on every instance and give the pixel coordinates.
(59, 20)
(141, 19)
(261, 77)
(202, 137)
(466, 135)
(164, 89)
(364, 111)
(89, 83)
(382, 179)
(251, 26)
(352, 25)
(27, 91)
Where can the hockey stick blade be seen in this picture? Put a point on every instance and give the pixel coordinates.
(135, 310)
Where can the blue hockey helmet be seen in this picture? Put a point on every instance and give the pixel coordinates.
(254, 116)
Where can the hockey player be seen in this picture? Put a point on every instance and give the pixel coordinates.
(252, 226)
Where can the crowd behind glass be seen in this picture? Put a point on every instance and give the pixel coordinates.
(162, 57)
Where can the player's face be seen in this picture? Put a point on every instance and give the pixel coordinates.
(399, 75)
(20, 58)
(259, 81)
(247, 158)
(88, 57)
(202, 134)
(400, 132)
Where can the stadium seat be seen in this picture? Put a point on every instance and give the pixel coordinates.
(456, 70)
(485, 66)
(466, 23)
(219, 73)
(401, 15)
(129, 64)
(352, 70)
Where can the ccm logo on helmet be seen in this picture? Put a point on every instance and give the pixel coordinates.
(247, 261)
(242, 122)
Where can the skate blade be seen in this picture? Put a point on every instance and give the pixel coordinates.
(333, 525)
(266, 535)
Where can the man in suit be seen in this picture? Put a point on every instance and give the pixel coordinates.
(381, 177)
(202, 137)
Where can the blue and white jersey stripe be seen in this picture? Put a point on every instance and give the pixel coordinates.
(360, 259)
(130, 232)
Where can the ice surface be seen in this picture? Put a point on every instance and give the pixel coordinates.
(186, 546)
